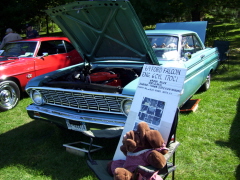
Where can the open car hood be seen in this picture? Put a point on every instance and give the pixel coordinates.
(199, 27)
(104, 31)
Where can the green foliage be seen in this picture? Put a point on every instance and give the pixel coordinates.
(20, 12)
(219, 31)
(150, 12)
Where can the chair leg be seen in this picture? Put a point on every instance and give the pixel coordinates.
(224, 66)
(173, 173)
(89, 152)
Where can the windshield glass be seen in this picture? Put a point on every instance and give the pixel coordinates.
(19, 49)
(165, 47)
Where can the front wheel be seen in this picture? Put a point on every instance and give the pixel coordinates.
(9, 95)
(206, 85)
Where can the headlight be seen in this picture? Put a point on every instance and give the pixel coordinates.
(126, 105)
(37, 97)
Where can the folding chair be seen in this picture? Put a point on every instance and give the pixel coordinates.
(99, 167)
(224, 50)
(89, 148)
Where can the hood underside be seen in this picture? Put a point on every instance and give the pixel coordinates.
(104, 30)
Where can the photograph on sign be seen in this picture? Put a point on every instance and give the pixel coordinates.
(156, 110)
(151, 111)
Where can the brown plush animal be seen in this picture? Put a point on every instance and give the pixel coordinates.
(141, 147)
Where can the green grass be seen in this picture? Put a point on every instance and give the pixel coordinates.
(34, 149)
(209, 137)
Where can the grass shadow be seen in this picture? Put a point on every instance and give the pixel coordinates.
(37, 148)
(234, 137)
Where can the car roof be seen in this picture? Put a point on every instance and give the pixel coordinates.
(199, 27)
(173, 32)
(45, 39)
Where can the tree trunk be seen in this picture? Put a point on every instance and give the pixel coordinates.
(196, 15)
(47, 29)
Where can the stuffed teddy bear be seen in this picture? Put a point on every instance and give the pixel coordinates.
(141, 147)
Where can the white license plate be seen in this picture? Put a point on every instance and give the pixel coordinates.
(76, 126)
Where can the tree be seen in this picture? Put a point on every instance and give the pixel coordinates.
(20, 12)
(155, 11)
(150, 12)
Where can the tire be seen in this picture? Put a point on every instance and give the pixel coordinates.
(9, 95)
(206, 85)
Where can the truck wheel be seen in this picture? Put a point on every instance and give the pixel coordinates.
(9, 95)
(206, 85)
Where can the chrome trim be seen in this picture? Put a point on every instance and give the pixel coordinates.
(83, 100)
(115, 120)
(191, 76)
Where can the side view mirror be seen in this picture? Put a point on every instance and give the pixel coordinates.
(44, 54)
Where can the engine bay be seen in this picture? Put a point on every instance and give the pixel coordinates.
(111, 80)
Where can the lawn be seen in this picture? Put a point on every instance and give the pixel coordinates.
(209, 137)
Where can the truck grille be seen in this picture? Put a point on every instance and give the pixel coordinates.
(101, 102)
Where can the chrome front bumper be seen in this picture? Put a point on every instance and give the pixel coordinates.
(61, 116)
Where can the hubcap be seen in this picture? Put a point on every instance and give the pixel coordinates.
(208, 82)
(7, 96)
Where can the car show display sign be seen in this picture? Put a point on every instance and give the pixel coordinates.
(155, 101)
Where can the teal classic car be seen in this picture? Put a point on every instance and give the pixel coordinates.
(114, 46)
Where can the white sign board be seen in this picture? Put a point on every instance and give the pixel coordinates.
(155, 101)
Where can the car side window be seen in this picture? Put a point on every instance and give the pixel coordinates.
(69, 46)
(190, 44)
(187, 43)
(51, 47)
(197, 44)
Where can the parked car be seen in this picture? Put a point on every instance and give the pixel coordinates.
(115, 46)
(25, 59)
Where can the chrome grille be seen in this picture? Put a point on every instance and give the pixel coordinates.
(89, 101)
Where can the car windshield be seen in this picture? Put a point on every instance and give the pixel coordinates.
(19, 49)
(165, 47)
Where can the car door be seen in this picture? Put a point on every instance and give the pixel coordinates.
(73, 55)
(57, 57)
(194, 62)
